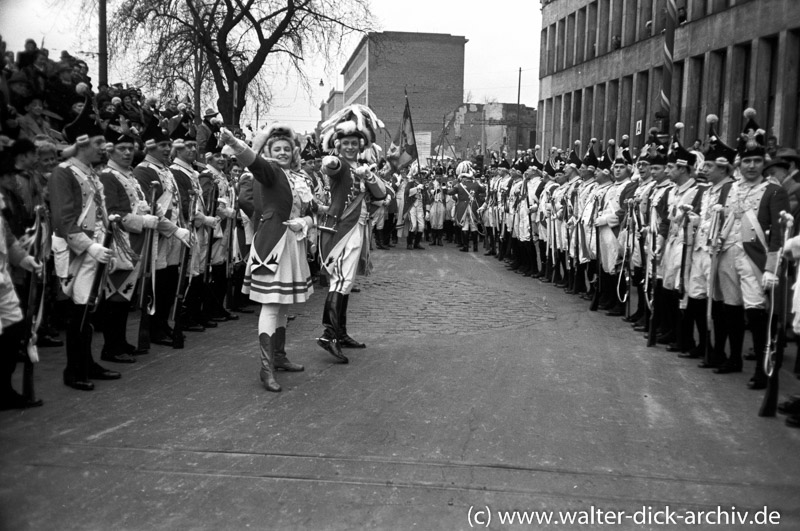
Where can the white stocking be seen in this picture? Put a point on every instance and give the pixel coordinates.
(268, 319)
(283, 315)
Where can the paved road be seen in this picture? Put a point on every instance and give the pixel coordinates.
(479, 389)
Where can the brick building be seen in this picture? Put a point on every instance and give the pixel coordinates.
(429, 65)
(475, 127)
(601, 68)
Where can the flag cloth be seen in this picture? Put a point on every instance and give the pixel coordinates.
(403, 150)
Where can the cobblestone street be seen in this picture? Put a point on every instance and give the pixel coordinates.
(479, 388)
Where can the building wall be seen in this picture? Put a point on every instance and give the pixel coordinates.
(429, 66)
(601, 68)
(475, 129)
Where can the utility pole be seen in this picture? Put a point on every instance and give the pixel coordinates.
(102, 43)
(519, 111)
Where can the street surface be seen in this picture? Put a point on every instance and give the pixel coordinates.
(479, 389)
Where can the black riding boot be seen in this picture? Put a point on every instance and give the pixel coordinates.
(345, 341)
(757, 319)
(330, 319)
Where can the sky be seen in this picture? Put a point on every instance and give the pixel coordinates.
(503, 36)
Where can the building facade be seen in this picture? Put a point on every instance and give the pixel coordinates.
(481, 128)
(602, 63)
(429, 66)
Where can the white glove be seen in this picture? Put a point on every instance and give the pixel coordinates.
(30, 263)
(210, 222)
(295, 225)
(331, 162)
(184, 236)
(769, 280)
(99, 253)
(160, 210)
(427, 216)
(149, 221)
(228, 212)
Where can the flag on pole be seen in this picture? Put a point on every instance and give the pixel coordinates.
(403, 150)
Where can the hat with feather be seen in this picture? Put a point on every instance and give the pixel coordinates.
(717, 151)
(354, 120)
(84, 126)
(751, 141)
(574, 159)
(677, 153)
(590, 160)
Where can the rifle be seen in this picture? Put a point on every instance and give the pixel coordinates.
(773, 357)
(146, 286)
(599, 273)
(231, 292)
(684, 253)
(36, 299)
(183, 283)
(627, 258)
(713, 236)
(99, 274)
(212, 212)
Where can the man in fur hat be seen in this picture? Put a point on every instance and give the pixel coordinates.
(352, 187)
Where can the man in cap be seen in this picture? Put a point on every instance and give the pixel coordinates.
(214, 183)
(584, 228)
(615, 206)
(187, 179)
(469, 195)
(751, 237)
(207, 131)
(718, 169)
(415, 206)
(125, 198)
(156, 180)
(80, 222)
(350, 131)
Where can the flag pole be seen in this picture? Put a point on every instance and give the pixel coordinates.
(413, 134)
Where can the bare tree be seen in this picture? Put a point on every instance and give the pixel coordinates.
(231, 47)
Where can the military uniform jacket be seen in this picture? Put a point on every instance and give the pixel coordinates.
(125, 197)
(77, 205)
(464, 193)
(347, 203)
(716, 194)
(752, 216)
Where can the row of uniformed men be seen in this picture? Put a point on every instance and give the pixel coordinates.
(674, 224)
(151, 226)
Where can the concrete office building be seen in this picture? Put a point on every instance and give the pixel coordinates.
(429, 65)
(602, 61)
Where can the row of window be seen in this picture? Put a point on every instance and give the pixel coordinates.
(724, 82)
(602, 26)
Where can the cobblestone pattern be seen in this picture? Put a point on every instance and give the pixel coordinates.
(395, 299)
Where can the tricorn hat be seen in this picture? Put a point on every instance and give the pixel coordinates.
(751, 141)
(677, 153)
(717, 151)
(83, 127)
